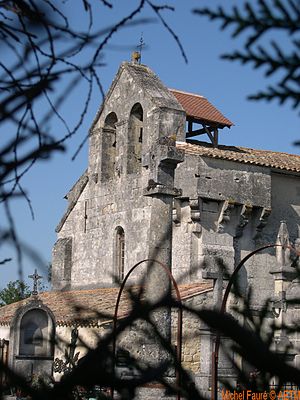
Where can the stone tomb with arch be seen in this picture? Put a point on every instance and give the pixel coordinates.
(159, 184)
(32, 335)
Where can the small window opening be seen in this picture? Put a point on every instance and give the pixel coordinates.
(120, 253)
(141, 136)
(135, 139)
(109, 145)
(85, 216)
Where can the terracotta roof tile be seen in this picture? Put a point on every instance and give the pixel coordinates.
(265, 158)
(89, 306)
(199, 108)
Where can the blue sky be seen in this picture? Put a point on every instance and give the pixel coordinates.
(257, 124)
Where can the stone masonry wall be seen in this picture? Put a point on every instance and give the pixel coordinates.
(226, 208)
(104, 205)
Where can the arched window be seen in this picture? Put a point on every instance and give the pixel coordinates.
(120, 254)
(135, 139)
(36, 331)
(109, 142)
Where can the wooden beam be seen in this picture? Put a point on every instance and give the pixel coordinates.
(199, 132)
(216, 137)
(208, 133)
(192, 134)
(211, 132)
(195, 133)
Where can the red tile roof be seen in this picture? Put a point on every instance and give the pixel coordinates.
(199, 108)
(265, 158)
(89, 306)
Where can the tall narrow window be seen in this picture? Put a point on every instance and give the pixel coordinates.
(109, 143)
(85, 215)
(135, 139)
(120, 253)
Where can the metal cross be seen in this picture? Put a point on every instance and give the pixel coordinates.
(35, 277)
(140, 47)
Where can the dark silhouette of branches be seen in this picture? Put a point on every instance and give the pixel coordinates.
(255, 20)
(44, 58)
(95, 368)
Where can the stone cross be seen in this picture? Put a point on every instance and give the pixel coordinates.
(35, 277)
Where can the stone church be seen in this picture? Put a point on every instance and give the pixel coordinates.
(153, 190)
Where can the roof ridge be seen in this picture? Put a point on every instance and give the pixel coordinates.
(90, 309)
(232, 147)
(83, 291)
(265, 158)
(189, 93)
(270, 151)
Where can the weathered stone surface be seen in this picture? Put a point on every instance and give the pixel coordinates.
(223, 208)
(199, 213)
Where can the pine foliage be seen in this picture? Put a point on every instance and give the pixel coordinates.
(255, 20)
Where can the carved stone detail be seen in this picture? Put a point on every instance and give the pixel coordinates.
(246, 212)
(195, 210)
(163, 162)
(262, 222)
(283, 271)
(282, 253)
(195, 215)
(225, 214)
(176, 212)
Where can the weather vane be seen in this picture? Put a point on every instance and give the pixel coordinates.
(35, 277)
